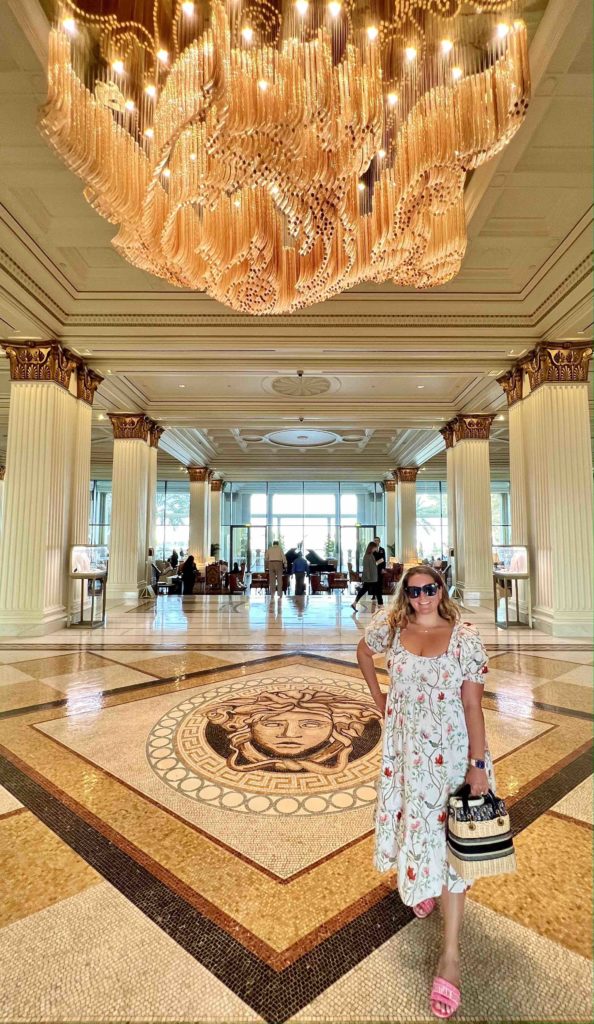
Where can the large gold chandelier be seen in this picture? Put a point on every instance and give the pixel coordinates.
(275, 153)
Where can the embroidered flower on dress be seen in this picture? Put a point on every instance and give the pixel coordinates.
(417, 761)
(426, 872)
(389, 711)
(415, 825)
(421, 698)
(411, 873)
(441, 695)
(442, 817)
(388, 773)
(439, 759)
(484, 669)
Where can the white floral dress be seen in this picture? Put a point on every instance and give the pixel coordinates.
(425, 757)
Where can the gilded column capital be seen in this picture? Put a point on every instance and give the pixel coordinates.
(42, 362)
(472, 428)
(407, 474)
(198, 474)
(561, 363)
(216, 485)
(130, 426)
(2, 472)
(155, 432)
(389, 485)
(512, 383)
(447, 433)
(87, 382)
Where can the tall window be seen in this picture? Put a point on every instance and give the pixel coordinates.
(322, 516)
(173, 517)
(500, 512)
(432, 519)
(100, 512)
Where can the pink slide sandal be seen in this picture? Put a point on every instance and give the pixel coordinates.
(424, 908)
(444, 992)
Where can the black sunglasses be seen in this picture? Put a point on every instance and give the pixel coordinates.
(430, 590)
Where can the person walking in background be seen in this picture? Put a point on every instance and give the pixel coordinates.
(275, 562)
(380, 561)
(173, 559)
(300, 567)
(369, 576)
(188, 576)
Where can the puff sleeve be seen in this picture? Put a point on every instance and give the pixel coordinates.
(473, 656)
(377, 634)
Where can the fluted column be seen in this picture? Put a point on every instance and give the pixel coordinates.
(407, 514)
(155, 432)
(2, 472)
(216, 487)
(199, 493)
(87, 382)
(391, 540)
(447, 433)
(35, 538)
(127, 546)
(558, 467)
(474, 561)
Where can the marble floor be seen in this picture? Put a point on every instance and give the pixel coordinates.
(156, 866)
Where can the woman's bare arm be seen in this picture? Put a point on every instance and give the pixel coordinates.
(365, 659)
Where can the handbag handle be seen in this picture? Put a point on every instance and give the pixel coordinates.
(463, 793)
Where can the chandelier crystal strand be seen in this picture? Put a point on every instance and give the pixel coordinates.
(275, 154)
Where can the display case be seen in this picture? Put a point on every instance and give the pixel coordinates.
(88, 565)
(510, 565)
(510, 560)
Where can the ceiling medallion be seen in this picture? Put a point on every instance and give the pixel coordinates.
(274, 153)
(300, 386)
(302, 437)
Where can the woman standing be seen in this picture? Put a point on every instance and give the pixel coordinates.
(370, 575)
(434, 740)
(188, 575)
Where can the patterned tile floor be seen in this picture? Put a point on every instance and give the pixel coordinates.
(160, 862)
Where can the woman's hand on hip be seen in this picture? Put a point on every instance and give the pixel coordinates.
(380, 703)
(478, 781)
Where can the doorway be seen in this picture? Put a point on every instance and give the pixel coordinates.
(353, 542)
(248, 544)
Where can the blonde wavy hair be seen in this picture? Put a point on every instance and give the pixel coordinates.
(401, 609)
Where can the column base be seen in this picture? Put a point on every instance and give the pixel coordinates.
(473, 597)
(120, 592)
(32, 623)
(565, 624)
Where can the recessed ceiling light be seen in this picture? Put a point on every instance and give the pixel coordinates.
(420, 386)
(181, 385)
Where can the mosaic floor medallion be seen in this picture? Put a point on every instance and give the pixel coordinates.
(299, 745)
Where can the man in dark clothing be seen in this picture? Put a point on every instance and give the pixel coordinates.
(380, 558)
(300, 566)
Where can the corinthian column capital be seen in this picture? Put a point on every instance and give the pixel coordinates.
(512, 383)
(389, 485)
(407, 474)
(198, 474)
(155, 432)
(472, 428)
(2, 472)
(216, 485)
(560, 363)
(130, 426)
(447, 433)
(87, 382)
(42, 361)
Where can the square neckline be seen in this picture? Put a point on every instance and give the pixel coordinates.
(426, 657)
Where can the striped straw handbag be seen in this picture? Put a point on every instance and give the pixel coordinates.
(479, 839)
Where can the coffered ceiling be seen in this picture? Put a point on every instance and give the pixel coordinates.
(394, 365)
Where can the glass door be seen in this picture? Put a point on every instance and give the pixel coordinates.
(365, 534)
(248, 544)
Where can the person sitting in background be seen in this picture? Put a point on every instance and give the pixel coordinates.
(300, 566)
(173, 559)
(236, 568)
(188, 576)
